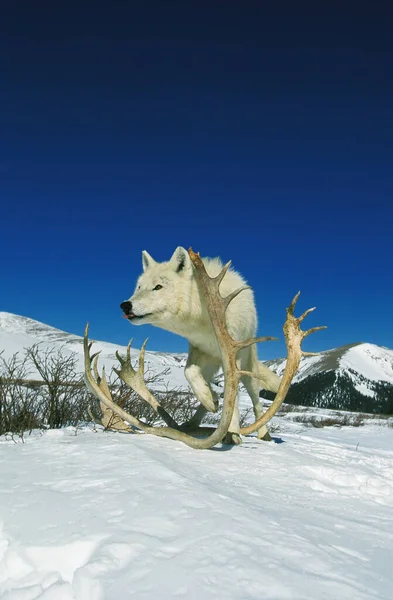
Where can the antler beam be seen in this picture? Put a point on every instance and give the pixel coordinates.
(294, 337)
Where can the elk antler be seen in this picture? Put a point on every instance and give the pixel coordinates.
(294, 337)
(109, 420)
(216, 306)
(98, 386)
(97, 389)
(136, 381)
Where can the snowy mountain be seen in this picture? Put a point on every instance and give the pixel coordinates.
(368, 360)
(18, 332)
(357, 377)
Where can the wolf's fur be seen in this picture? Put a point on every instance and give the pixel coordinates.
(178, 307)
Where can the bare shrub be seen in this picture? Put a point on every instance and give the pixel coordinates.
(246, 416)
(358, 421)
(341, 420)
(19, 405)
(181, 405)
(288, 408)
(58, 399)
(64, 399)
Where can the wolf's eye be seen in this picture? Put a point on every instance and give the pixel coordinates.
(158, 287)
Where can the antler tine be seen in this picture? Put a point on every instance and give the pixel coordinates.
(291, 307)
(91, 359)
(221, 274)
(257, 340)
(122, 360)
(213, 281)
(312, 330)
(119, 358)
(95, 368)
(86, 344)
(306, 312)
(104, 383)
(141, 361)
(92, 356)
(228, 299)
(129, 351)
(251, 374)
(193, 255)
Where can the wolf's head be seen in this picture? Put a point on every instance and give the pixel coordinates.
(160, 290)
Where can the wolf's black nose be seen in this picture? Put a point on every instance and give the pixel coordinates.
(126, 307)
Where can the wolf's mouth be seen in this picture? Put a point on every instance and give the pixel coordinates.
(133, 317)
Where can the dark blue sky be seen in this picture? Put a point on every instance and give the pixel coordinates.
(260, 132)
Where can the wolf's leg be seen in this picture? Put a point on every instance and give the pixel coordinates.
(249, 362)
(199, 372)
(195, 420)
(233, 435)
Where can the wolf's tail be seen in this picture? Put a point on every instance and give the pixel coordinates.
(268, 379)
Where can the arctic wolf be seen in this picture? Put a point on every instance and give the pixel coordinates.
(167, 295)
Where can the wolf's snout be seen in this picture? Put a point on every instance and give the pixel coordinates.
(126, 307)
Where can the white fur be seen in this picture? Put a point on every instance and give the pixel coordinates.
(178, 307)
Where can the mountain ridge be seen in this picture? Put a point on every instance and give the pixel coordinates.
(356, 376)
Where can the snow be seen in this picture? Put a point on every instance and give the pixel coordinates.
(93, 515)
(97, 515)
(372, 362)
(18, 333)
(306, 367)
(367, 360)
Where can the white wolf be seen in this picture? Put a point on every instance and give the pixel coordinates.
(167, 295)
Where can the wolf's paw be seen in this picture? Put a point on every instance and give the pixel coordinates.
(210, 406)
(232, 439)
(210, 403)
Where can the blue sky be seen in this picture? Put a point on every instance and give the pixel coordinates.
(260, 134)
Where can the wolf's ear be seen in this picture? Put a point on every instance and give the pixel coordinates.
(180, 260)
(147, 260)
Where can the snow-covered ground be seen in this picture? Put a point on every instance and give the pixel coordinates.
(93, 515)
(113, 516)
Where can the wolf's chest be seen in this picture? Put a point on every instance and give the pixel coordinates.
(199, 335)
(205, 341)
